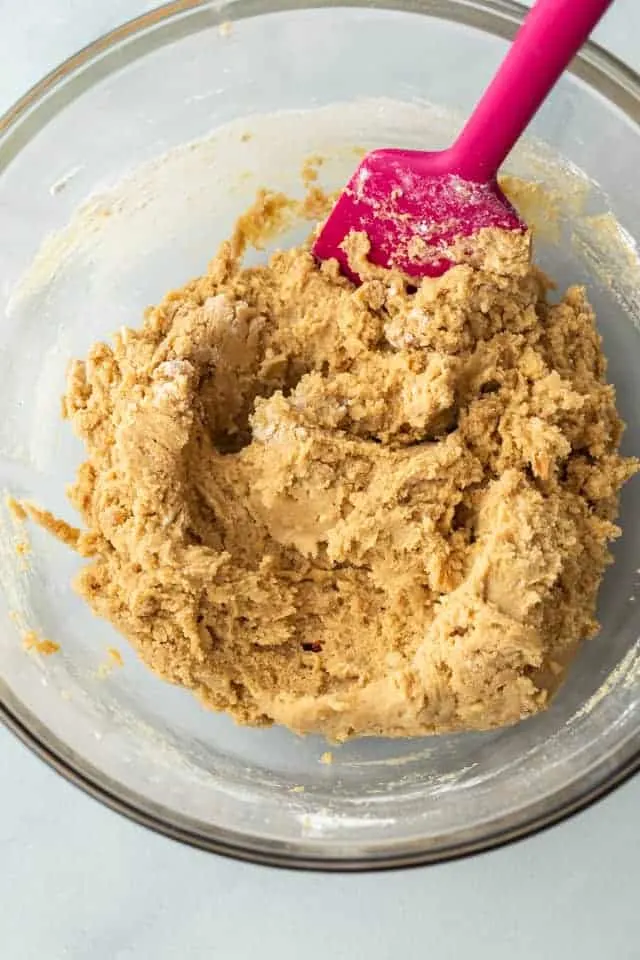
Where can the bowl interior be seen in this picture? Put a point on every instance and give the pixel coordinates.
(118, 183)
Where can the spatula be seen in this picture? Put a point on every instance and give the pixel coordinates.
(421, 210)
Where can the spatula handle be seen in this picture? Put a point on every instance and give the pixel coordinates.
(549, 38)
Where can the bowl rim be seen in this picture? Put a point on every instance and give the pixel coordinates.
(614, 80)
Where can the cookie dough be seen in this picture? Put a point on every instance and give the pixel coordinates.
(354, 511)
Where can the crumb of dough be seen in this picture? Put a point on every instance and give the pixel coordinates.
(23, 549)
(269, 216)
(225, 29)
(354, 511)
(310, 168)
(60, 528)
(297, 789)
(114, 660)
(115, 656)
(16, 508)
(84, 542)
(327, 758)
(32, 641)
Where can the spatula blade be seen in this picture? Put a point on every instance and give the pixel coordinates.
(419, 216)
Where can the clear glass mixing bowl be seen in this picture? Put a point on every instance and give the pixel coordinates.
(162, 81)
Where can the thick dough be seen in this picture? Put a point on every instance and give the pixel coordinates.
(352, 511)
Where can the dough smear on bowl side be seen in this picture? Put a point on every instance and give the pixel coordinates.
(373, 510)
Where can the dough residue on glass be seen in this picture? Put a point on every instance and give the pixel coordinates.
(354, 511)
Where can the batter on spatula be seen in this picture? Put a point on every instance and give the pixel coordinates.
(352, 510)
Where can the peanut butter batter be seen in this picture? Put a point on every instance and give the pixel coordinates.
(370, 510)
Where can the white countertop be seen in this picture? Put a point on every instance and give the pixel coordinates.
(78, 881)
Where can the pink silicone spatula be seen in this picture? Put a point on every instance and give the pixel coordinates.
(417, 208)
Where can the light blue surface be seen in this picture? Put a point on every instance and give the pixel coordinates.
(77, 881)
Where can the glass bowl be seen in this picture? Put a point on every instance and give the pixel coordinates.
(141, 104)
